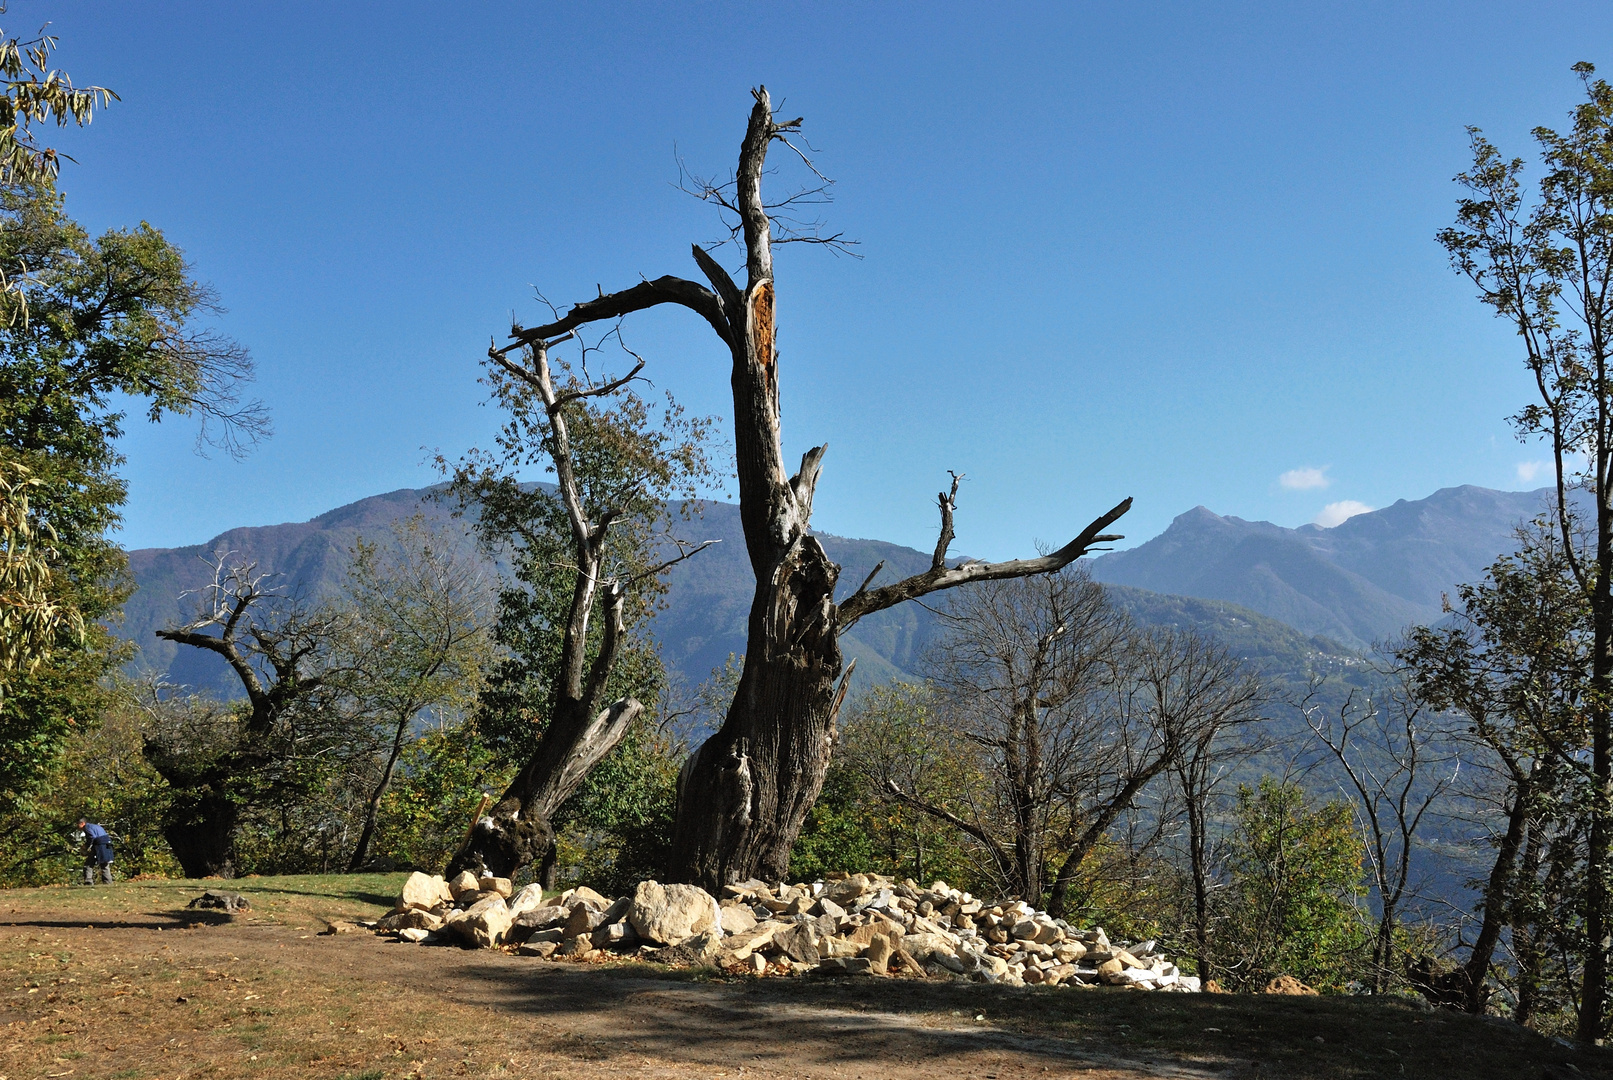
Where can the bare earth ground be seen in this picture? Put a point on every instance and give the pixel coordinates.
(124, 982)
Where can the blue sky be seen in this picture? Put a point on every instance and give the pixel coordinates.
(1167, 251)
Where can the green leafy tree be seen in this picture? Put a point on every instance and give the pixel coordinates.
(1513, 663)
(586, 556)
(1295, 872)
(1545, 266)
(110, 319)
(416, 644)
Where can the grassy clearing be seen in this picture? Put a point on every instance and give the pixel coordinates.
(305, 899)
(126, 982)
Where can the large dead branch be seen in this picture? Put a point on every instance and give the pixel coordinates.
(939, 576)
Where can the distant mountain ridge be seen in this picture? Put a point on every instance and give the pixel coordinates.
(703, 622)
(1360, 582)
(1289, 600)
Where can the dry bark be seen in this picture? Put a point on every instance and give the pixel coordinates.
(744, 794)
(582, 728)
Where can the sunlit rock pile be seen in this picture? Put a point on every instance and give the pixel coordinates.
(861, 924)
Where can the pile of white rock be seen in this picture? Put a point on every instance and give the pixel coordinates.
(856, 924)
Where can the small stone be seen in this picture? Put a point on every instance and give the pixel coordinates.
(500, 885)
(758, 963)
(464, 882)
(414, 933)
(826, 906)
(541, 949)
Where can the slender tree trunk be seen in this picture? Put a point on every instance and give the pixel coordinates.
(1498, 893)
(1524, 923)
(1593, 1008)
(362, 849)
(1197, 857)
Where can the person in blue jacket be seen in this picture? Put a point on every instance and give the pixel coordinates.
(97, 851)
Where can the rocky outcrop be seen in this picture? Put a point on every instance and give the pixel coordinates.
(848, 925)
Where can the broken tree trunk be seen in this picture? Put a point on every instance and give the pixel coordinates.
(744, 794)
(582, 728)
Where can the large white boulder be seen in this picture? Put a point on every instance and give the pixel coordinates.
(672, 914)
(483, 924)
(424, 891)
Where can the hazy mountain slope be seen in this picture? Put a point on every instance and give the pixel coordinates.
(1360, 582)
(707, 605)
(703, 621)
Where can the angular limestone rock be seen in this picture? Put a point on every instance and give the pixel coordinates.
(500, 885)
(464, 882)
(585, 895)
(483, 925)
(672, 914)
(583, 920)
(736, 919)
(879, 953)
(424, 891)
(528, 899)
(412, 919)
(797, 944)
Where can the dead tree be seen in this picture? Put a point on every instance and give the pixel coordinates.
(279, 658)
(744, 794)
(1381, 751)
(581, 726)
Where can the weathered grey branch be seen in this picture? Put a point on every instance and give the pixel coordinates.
(949, 503)
(805, 482)
(646, 294)
(732, 299)
(939, 577)
(670, 563)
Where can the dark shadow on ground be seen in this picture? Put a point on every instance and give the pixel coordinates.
(170, 920)
(865, 1021)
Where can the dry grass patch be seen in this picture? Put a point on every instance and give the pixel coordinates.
(126, 982)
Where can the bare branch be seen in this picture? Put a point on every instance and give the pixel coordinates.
(805, 482)
(689, 554)
(938, 577)
(646, 294)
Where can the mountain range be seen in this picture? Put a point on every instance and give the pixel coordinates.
(1291, 600)
(1358, 583)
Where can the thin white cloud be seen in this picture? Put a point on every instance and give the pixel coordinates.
(1304, 479)
(1528, 471)
(1337, 513)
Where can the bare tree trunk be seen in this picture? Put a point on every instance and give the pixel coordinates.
(745, 793)
(517, 830)
(1198, 860)
(362, 849)
(1498, 893)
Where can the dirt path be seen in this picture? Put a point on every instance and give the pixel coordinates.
(141, 997)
